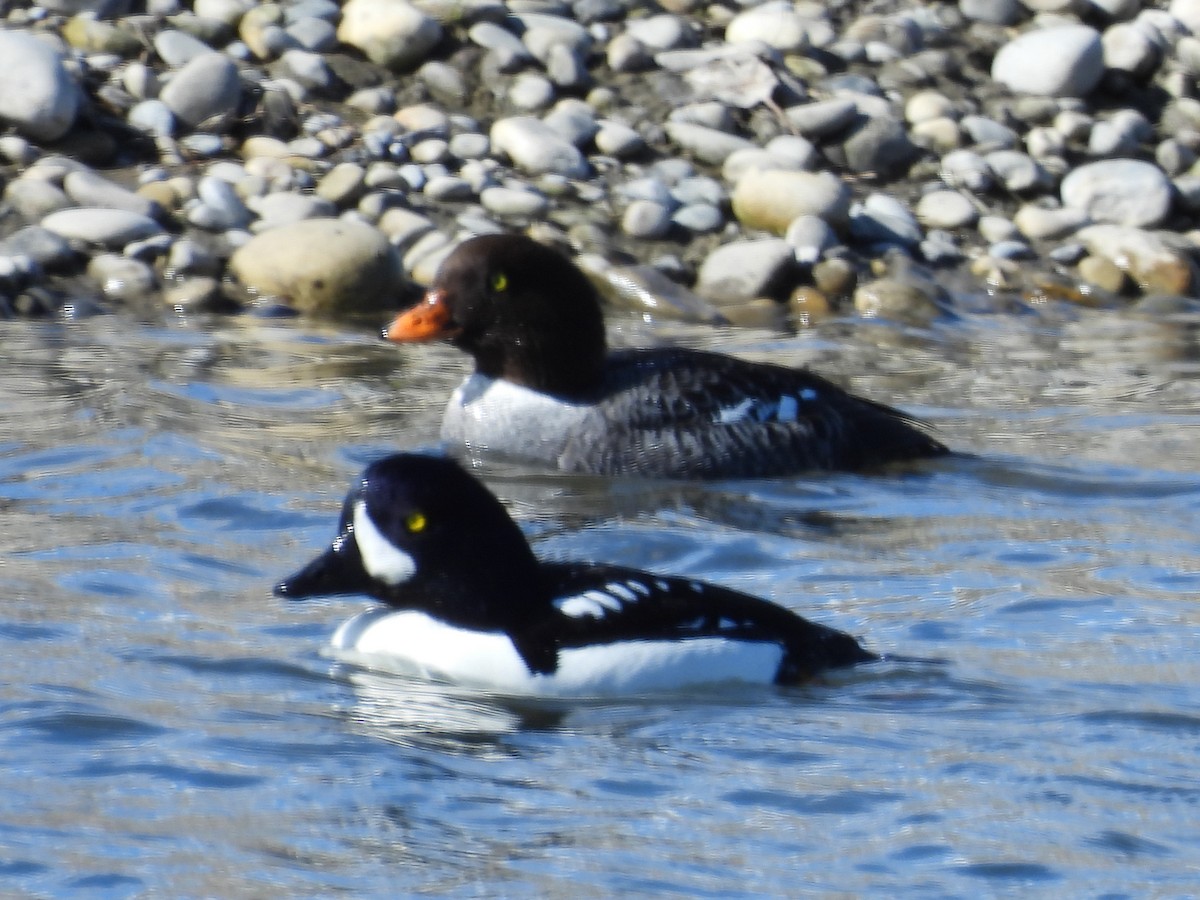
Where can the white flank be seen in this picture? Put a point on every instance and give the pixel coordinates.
(497, 416)
(413, 643)
(380, 557)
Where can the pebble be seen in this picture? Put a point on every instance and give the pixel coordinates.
(946, 209)
(321, 266)
(615, 126)
(37, 96)
(101, 227)
(1040, 223)
(706, 144)
(86, 188)
(207, 90)
(777, 24)
(519, 203)
(810, 237)
(646, 219)
(743, 270)
(122, 278)
(895, 298)
(391, 33)
(770, 200)
(536, 148)
(882, 219)
(1149, 260)
(1056, 61)
(1119, 191)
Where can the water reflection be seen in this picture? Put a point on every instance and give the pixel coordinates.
(169, 726)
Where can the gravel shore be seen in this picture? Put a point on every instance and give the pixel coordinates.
(761, 163)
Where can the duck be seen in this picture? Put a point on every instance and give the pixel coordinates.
(464, 600)
(546, 390)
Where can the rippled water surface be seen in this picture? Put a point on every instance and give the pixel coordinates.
(169, 728)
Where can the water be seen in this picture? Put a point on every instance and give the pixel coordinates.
(170, 728)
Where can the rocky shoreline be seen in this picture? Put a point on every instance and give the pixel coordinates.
(765, 163)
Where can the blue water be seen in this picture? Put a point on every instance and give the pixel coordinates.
(168, 728)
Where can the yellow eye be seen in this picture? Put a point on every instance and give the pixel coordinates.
(499, 282)
(416, 522)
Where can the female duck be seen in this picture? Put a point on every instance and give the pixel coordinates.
(546, 390)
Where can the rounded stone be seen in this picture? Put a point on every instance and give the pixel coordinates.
(321, 266)
(1058, 61)
(390, 33)
(894, 298)
(744, 270)
(776, 24)
(1119, 191)
(507, 202)
(1039, 223)
(102, 227)
(87, 188)
(770, 200)
(646, 219)
(946, 209)
(37, 96)
(207, 90)
(536, 148)
(706, 144)
(122, 278)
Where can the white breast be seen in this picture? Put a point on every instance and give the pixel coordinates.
(413, 643)
(497, 417)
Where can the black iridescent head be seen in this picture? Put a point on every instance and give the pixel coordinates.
(418, 532)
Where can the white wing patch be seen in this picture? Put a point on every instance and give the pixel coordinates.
(597, 602)
(380, 557)
(754, 409)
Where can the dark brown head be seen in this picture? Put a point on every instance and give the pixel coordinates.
(523, 311)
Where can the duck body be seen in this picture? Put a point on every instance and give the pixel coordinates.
(546, 390)
(466, 601)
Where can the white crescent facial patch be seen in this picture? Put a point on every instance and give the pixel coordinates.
(380, 557)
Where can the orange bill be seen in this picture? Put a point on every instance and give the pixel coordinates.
(427, 321)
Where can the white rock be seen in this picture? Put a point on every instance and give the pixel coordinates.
(536, 148)
(706, 144)
(662, 32)
(993, 12)
(205, 91)
(87, 188)
(1058, 61)
(1120, 192)
(618, 139)
(177, 48)
(1041, 224)
(321, 265)
(507, 202)
(770, 200)
(946, 209)
(743, 270)
(1187, 12)
(776, 23)
(810, 237)
(122, 278)
(102, 227)
(153, 117)
(37, 95)
(646, 219)
(882, 219)
(390, 33)
(1128, 48)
